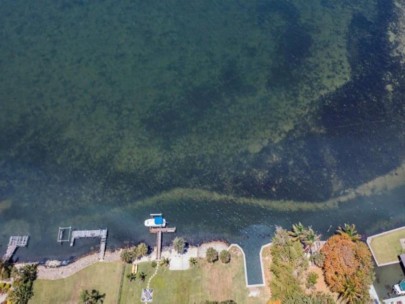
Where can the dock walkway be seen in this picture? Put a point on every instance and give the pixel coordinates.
(159, 232)
(15, 242)
(99, 233)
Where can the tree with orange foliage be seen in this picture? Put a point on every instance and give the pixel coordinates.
(348, 268)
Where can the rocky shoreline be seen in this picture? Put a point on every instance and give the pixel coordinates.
(50, 273)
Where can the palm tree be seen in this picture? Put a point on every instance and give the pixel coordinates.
(350, 293)
(193, 261)
(142, 276)
(92, 297)
(306, 235)
(21, 293)
(131, 276)
(298, 232)
(165, 262)
(311, 237)
(349, 230)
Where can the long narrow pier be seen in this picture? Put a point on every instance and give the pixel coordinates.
(159, 232)
(15, 242)
(100, 233)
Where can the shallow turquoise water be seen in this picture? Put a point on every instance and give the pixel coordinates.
(107, 105)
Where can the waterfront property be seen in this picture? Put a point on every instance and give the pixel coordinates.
(197, 284)
(387, 246)
(387, 249)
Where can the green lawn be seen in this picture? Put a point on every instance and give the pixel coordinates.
(104, 277)
(203, 282)
(200, 283)
(387, 247)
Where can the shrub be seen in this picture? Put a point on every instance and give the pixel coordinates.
(318, 259)
(128, 255)
(225, 256)
(154, 264)
(312, 278)
(212, 255)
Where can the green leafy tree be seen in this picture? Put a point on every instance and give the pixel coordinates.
(128, 255)
(179, 244)
(28, 273)
(211, 255)
(141, 250)
(21, 292)
(92, 297)
(314, 298)
(225, 256)
(6, 269)
(288, 266)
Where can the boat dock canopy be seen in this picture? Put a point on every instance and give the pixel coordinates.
(159, 220)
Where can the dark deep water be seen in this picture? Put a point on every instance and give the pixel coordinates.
(108, 106)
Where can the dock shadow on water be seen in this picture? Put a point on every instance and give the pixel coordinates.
(109, 110)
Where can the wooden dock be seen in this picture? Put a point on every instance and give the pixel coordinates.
(15, 242)
(100, 233)
(159, 232)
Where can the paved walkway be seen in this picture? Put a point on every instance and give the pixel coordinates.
(153, 275)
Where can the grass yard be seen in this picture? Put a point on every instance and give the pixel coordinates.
(104, 277)
(387, 247)
(200, 283)
(203, 282)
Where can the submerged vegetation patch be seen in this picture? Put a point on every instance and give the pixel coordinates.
(282, 104)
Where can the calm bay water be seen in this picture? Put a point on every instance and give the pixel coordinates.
(111, 110)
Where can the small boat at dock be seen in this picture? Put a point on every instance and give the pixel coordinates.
(156, 220)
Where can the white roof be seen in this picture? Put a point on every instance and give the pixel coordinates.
(394, 300)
